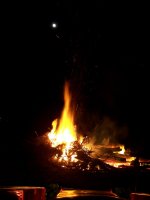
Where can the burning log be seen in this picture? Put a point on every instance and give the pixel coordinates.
(109, 150)
(95, 163)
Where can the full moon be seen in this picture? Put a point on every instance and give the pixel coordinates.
(54, 25)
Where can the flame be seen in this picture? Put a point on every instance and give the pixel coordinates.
(122, 150)
(64, 132)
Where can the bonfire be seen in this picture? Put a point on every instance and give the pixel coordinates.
(71, 150)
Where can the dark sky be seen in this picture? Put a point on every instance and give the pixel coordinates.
(100, 48)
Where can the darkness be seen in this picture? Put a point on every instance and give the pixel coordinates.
(99, 48)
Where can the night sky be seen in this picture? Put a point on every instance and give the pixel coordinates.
(99, 48)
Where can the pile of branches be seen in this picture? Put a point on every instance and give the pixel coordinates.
(84, 160)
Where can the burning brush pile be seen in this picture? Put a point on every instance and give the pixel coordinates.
(73, 151)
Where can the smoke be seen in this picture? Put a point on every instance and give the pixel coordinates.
(108, 131)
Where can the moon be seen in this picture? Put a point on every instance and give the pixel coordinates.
(54, 25)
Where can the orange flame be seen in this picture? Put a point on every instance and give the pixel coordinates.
(64, 131)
